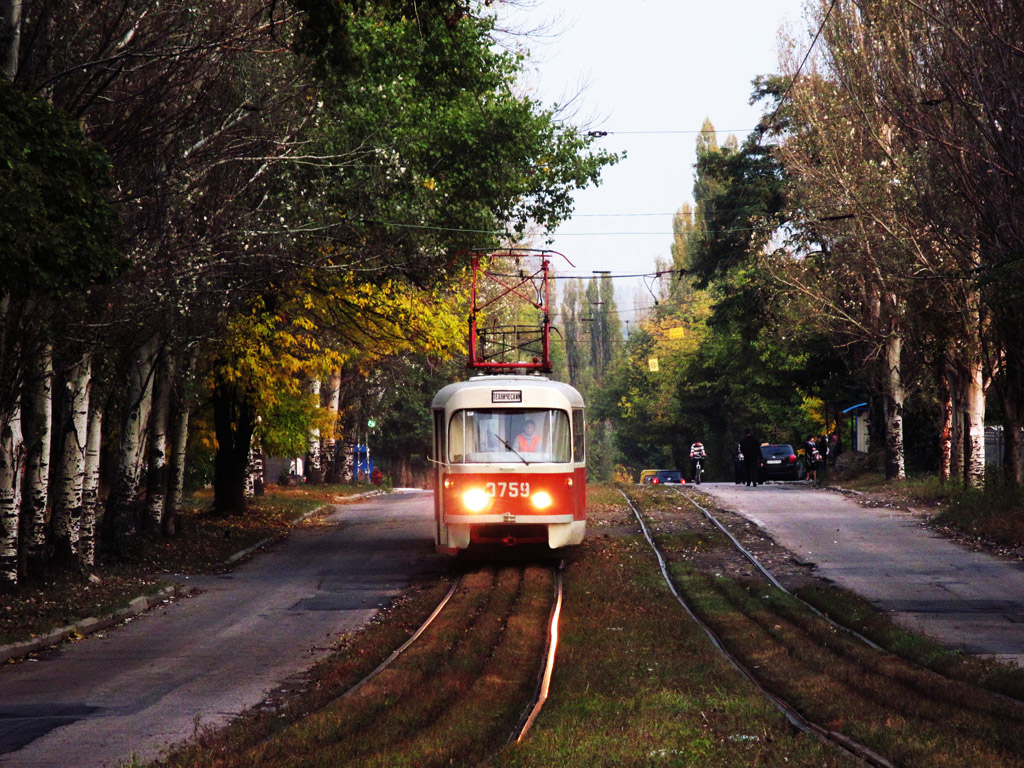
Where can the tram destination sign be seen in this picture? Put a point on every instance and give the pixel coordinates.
(506, 395)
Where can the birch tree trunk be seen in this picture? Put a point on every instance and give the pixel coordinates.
(38, 424)
(11, 455)
(255, 472)
(179, 438)
(156, 476)
(91, 488)
(946, 422)
(956, 438)
(119, 521)
(894, 395)
(314, 463)
(974, 425)
(65, 525)
(332, 403)
(10, 36)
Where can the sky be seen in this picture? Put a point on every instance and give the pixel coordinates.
(650, 72)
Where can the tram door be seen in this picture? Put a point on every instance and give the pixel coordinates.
(440, 459)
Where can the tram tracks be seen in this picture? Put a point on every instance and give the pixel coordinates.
(470, 680)
(828, 682)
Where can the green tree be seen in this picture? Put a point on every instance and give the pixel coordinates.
(56, 242)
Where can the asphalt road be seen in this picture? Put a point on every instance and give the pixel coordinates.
(968, 600)
(199, 661)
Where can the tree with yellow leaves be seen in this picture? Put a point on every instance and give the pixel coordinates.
(303, 332)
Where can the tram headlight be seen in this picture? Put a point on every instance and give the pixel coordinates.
(541, 499)
(475, 499)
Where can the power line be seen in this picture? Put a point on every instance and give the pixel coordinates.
(796, 75)
(603, 273)
(657, 132)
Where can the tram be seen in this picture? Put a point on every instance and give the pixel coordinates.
(509, 445)
(510, 463)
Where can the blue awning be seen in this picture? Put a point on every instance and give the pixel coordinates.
(854, 407)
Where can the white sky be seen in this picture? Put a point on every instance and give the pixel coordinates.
(655, 66)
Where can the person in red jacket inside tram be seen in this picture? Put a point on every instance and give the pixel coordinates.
(529, 440)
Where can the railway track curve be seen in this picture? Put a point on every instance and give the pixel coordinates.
(805, 663)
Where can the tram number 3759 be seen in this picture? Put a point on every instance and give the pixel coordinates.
(510, 490)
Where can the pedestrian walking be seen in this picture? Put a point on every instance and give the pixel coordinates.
(750, 446)
(813, 463)
(821, 446)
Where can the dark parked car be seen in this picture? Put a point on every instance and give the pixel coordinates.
(779, 462)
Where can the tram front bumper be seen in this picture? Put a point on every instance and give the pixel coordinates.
(561, 530)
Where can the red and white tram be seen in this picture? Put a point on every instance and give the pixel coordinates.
(509, 463)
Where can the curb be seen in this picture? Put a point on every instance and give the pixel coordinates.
(19, 650)
(249, 550)
(90, 625)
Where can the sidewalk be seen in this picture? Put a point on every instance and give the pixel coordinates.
(966, 600)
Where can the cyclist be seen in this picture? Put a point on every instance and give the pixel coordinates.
(697, 456)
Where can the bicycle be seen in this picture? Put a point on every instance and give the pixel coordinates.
(698, 470)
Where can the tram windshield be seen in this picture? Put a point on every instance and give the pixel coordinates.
(500, 435)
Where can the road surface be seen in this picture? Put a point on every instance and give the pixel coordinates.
(968, 600)
(202, 660)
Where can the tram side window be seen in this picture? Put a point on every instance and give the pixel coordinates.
(457, 438)
(578, 436)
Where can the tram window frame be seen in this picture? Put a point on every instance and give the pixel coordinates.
(471, 428)
(579, 454)
(440, 437)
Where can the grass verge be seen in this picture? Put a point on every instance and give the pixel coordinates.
(991, 518)
(910, 714)
(638, 684)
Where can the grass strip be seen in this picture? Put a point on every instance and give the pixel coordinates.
(452, 699)
(911, 715)
(638, 684)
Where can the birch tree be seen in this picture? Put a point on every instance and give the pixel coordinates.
(951, 75)
(181, 397)
(66, 522)
(936, 77)
(90, 488)
(11, 458)
(121, 518)
(157, 472)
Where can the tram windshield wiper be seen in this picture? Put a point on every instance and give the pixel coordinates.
(509, 447)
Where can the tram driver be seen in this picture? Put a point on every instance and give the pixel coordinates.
(528, 441)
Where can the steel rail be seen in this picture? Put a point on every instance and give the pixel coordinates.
(775, 582)
(394, 654)
(549, 665)
(402, 648)
(847, 745)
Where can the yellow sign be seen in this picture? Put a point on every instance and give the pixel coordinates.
(676, 333)
(652, 364)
